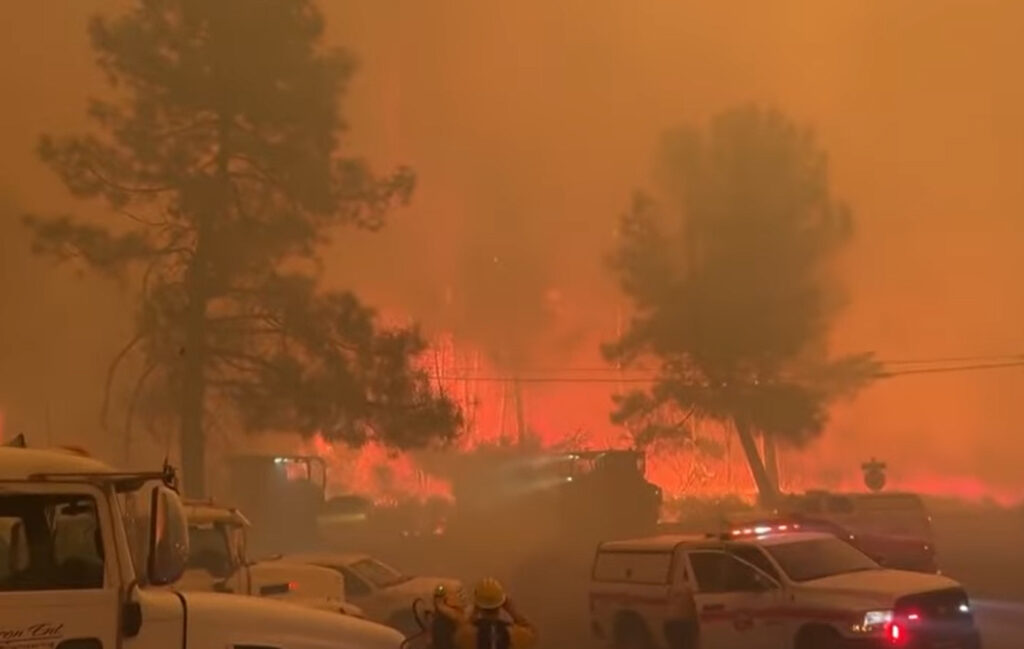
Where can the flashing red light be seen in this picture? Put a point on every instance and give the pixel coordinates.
(761, 530)
(293, 586)
(897, 634)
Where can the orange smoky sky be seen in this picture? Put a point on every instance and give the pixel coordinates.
(530, 123)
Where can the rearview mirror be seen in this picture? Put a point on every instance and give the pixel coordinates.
(168, 537)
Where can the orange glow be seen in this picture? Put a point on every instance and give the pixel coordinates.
(550, 411)
(385, 476)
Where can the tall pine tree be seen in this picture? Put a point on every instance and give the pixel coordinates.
(218, 157)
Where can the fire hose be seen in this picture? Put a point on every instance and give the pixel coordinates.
(423, 619)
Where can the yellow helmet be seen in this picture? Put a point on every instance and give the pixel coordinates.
(489, 595)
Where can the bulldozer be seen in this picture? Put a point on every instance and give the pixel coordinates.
(282, 496)
(574, 496)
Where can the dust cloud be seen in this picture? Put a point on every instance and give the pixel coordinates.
(530, 123)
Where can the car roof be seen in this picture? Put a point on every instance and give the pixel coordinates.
(782, 538)
(326, 558)
(23, 463)
(655, 543)
(668, 542)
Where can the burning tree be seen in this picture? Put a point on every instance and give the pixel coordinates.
(219, 153)
(728, 277)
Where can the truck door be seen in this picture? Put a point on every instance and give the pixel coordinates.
(57, 586)
(737, 605)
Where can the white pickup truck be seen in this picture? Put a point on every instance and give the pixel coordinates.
(770, 590)
(86, 554)
(219, 562)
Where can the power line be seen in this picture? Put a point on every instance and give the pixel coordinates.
(884, 374)
(1011, 359)
(955, 359)
(944, 370)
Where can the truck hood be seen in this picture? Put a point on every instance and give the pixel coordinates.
(880, 585)
(423, 587)
(257, 621)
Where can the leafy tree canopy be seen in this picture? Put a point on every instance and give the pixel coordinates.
(728, 273)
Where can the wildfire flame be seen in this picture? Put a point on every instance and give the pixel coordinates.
(566, 416)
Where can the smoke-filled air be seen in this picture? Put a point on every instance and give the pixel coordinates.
(438, 260)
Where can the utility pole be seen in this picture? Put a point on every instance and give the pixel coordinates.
(517, 393)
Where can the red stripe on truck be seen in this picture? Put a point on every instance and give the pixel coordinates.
(814, 614)
(628, 599)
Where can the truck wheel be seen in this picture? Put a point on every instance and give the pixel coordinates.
(818, 637)
(632, 633)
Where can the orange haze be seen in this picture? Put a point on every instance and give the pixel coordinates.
(531, 122)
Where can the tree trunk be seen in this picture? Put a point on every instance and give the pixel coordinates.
(192, 438)
(765, 487)
(520, 415)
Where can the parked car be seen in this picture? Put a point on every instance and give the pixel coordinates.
(383, 593)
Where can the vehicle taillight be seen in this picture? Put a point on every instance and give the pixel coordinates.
(897, 635)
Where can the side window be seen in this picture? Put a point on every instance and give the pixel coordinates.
(50, 542)
(76, 534)
(710, 572)
(718, 572)
(742, 578)
(13, 548)
(634, 567)
(756, 557)
(354, 585)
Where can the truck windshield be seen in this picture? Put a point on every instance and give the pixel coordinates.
(378, 573)
(50, 542)
(208, 547)
(819, 558)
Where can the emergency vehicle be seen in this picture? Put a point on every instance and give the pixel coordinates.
(770, 589)
(87, 553)
(219, 562)
(892, 550)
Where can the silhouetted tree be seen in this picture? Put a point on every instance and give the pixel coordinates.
(219, 151)
(728, 276)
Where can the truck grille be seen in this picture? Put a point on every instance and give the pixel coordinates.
(938, 620)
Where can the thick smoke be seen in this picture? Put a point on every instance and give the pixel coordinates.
(530, 123)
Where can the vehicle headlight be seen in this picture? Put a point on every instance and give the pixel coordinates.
(874, 621)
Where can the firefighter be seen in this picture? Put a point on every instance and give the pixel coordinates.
(487, 629)
(449, 613)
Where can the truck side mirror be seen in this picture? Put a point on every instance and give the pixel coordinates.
(168, 537)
